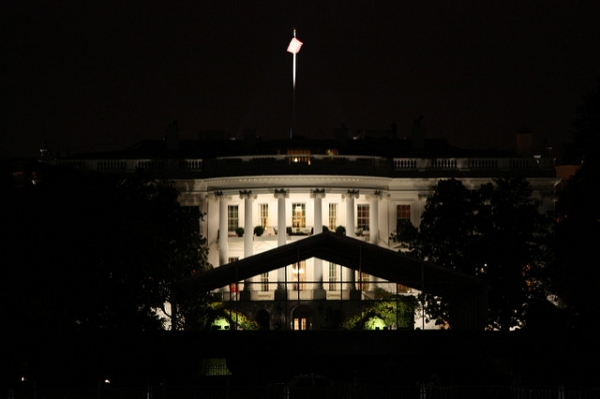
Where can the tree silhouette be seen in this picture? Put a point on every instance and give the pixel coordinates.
(96, 252)
(495, 233)
(575, 273)
(586, 134)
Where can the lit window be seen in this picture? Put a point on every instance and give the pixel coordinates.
(264, 282)
(298, 276)
(363, 281)
(300, 323)
(299, 156)
(333, 277)
(299, 215)
(332, 217)
(402, 217)
(362, 216)
(233, 287)
(402, 289)
(264, 215)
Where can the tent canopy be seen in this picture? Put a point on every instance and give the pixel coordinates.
(351, 253)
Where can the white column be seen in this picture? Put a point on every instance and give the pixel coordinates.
(246, 195)
(350, 197)
(374, 223)
(281, 196)
(248, 227)
(223, 232)
(374, 218)
(202, 223)
(317, 196)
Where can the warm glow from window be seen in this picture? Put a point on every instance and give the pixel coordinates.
(299, 216)
(300, 324)
(298, 276)
(264, 215)
(332, 217)
(362, 216)
(299, 156)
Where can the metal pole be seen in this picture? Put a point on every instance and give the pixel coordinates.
(293, 93)
(423, 296)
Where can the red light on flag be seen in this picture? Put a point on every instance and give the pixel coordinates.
(294, 46)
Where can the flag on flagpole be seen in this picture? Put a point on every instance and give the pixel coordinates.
(294, 46)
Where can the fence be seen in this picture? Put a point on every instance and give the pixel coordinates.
(224, 390)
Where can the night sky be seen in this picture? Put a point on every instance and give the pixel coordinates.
(101, 75)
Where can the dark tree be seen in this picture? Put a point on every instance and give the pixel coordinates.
(513, 248)
(575, 273)
(586, 135)
(96, 252)
(495, 233)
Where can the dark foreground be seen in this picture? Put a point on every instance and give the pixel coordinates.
(353, 364)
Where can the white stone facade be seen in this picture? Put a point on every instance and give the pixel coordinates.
(323, 200)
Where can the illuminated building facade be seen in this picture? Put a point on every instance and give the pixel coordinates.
(258, 196)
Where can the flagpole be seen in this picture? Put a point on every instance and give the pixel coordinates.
(293, 92)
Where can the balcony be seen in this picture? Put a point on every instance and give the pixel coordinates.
(320, 164)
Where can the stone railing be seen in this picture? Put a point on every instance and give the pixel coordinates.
(131, 165)
(314, 164)
(470, 164)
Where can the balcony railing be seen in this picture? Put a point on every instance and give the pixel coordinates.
(469, 164)
(317, 164)
(131, 165)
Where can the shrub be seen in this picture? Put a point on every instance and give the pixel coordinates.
(259, 230)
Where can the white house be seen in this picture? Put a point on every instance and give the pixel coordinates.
(296, 189)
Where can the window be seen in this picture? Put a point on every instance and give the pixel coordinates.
(232, 217)
(363, 281)
(402, 289)
(233, 287)
(264, 215)
(298, 276)
(301, 317)
(333, 277)
(264, 282)
(332, 217)
(362, 216)
(299, 156)
(299, 323)
(402, 217)
(299, 215)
